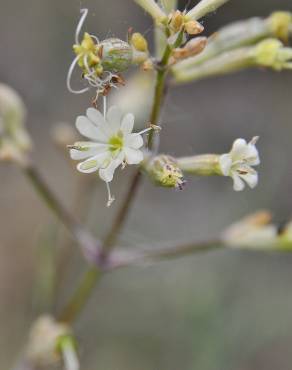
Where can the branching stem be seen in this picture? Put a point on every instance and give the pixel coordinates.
(93, 275)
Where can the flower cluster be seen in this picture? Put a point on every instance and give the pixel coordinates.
(101, 62)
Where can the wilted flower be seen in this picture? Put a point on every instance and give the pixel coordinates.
(238, 163)
(179, 24)
(164, 171)
(100, 61)
(113, 143)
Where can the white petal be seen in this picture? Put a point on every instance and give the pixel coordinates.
(114, 117)
(92, 164)
(134, 141)
(107, 174)
(127, 123)
(97, 118)
(89, 130)
(253, 155)
(251, 179)
(239, 149)
(88, 149)
(133, 156)
(225, 163)
(238, 184)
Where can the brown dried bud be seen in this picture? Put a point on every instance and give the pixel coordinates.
(193, 47)
(193, 28)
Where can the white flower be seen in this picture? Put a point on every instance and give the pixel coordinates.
(238, 163)
(112, 143)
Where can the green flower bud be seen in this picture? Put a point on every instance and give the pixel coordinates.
(116, 55)
(164, 171)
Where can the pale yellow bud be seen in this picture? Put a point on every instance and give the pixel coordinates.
(271, 53)
(280, 23)
(139, 42)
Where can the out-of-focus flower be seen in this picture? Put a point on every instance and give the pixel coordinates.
(151, 7)
(42, 349)
(238, 163)
(15, 142)
(164, 171)
(280, 24)
(63, 134)
(254, 231)
(272, 53)
(112, 143)
(204, 7)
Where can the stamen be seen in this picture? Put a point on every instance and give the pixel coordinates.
(84, 13)
(69, 77)
(111, 198)
(145, 130)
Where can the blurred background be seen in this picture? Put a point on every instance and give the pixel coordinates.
(221, 310)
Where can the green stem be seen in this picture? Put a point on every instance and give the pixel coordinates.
(84, 239)
(81, 295)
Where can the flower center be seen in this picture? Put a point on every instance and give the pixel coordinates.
(116, 143)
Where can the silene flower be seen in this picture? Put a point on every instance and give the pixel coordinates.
(112, 143)
(238, 163)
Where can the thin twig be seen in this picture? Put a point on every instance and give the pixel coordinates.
(124, 258)
(84, 239)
